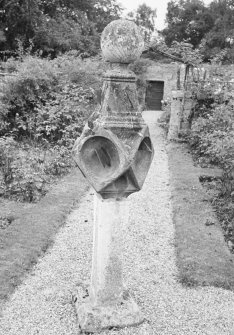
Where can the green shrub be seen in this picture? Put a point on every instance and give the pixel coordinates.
(49, 100)
(43, 108)
(61, 121)
(212, 140)
(32, 85)
(26, 171)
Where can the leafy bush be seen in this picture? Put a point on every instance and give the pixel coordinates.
(212, 135)
(61, 120)
(33, 83)
(43, 108)
(45, 97)
(26, 171)
(61, 34)
(212, 139)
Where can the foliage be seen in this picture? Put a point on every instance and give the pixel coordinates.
(62, 119)
(32, 85)
(212, 135)
(103, 12)
(57, 25)
(43, 108)
(182, 50)
(46, 100)
(144, 17)
(222, 32)
(207, 28)
(187, 20)
(212, 141)
(18, 20)
(60, 34)
(27, 171)
(212, 131)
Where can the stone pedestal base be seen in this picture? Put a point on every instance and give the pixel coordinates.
(93, 319)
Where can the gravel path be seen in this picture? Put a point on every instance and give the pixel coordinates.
(42, 305)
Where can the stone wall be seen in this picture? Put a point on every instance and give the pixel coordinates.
(171, 74)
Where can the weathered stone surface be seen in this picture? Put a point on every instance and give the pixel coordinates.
(114, 153)
(93, 319)
(121, 42)
(110, 221)
(188, 104)
(115, 162)
(176, 114)
(168, 73)
(109, 304)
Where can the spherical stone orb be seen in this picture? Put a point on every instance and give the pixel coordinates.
(121, 42)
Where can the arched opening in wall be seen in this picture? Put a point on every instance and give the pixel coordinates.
(154, 95)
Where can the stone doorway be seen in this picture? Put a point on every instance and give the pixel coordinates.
(154, 95)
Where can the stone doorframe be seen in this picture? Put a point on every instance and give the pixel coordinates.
(171, 74)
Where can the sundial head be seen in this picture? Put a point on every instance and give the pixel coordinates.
(121, 42)
(115, 151)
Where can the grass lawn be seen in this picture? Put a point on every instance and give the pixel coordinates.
(203, 257)
(29, 229)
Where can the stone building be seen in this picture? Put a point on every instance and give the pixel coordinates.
(162, 76)
(161, 80)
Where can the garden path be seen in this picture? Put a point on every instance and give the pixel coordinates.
(42, 304)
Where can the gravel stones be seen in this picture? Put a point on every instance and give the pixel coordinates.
(43, 303)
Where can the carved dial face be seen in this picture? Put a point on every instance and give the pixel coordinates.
(143, 160)
(100, 157)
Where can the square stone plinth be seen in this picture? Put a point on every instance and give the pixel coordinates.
(94, 318)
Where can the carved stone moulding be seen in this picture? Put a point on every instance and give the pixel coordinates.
(178, 94)
(120, 108)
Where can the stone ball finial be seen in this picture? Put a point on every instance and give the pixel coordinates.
(121, 42)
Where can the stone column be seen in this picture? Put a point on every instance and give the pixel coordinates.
(188, 106)
(114, 153)
(176, 111)
(110, 219)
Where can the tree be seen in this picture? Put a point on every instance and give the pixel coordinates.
(188, 21)
(103, 12)
(144, 17)
(18, 20)
(209, 28)
(99, 12)
(55, 25)
(61, 34)
(221, 35)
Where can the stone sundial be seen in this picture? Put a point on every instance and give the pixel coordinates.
(114, 153)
